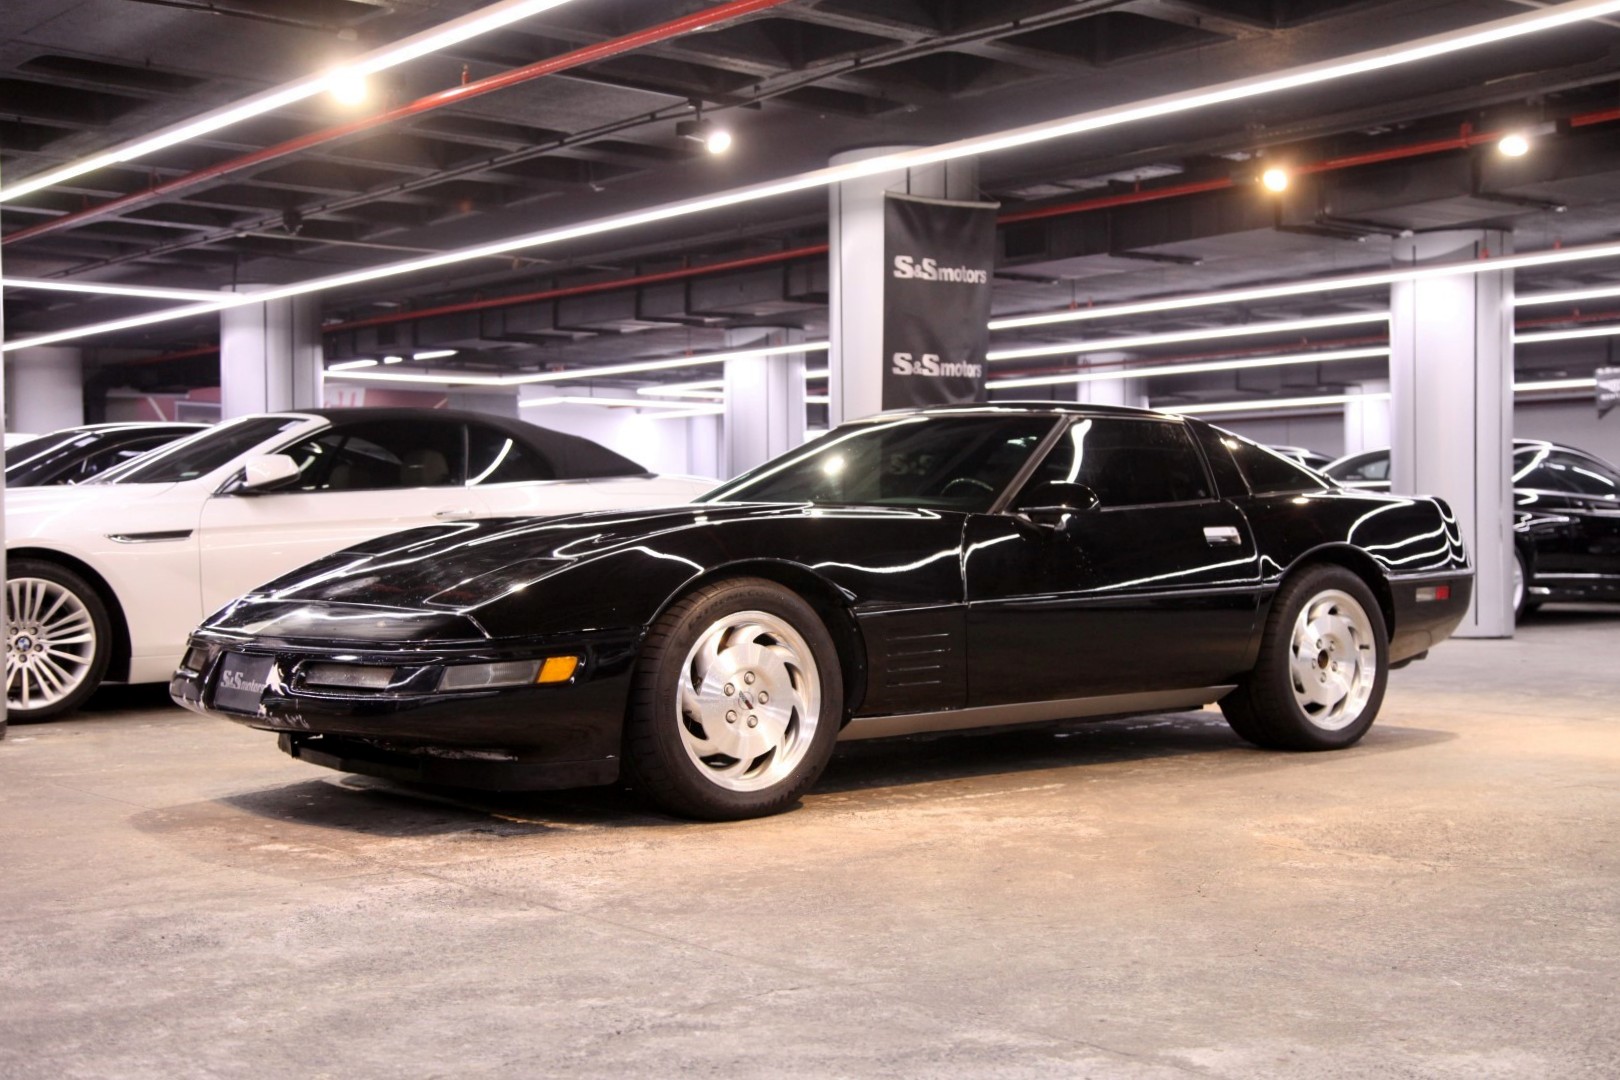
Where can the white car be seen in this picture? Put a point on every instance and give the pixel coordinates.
(104, 580)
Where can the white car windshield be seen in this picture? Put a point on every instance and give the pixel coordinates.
(201, 454)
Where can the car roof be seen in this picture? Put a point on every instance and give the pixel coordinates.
(575, 455)
(1053, 408)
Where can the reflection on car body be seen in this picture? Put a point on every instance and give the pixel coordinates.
(939, 570)
(1566, 519)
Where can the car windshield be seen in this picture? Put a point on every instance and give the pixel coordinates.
(201, 454)
(948, 463)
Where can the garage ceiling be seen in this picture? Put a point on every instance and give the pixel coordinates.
(796, 82)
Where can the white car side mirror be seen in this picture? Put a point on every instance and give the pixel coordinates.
(267, 472)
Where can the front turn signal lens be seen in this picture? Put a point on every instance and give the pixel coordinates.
(558, 669)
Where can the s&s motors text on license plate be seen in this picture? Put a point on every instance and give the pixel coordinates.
(241, 682)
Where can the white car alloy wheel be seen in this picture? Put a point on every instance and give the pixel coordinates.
(1334, 660)
(749, 699)
(51, 643)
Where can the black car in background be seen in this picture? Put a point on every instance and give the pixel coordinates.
(949, 569)
(75, 454)
(1566, 519)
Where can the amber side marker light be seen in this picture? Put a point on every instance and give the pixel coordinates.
(558, 669)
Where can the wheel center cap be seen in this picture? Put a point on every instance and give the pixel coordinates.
(1323, 660)
(24, 643)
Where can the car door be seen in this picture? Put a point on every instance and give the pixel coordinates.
(1574, 505)
(356, 480)
(1155, 588)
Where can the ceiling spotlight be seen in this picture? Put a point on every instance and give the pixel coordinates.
(715, 139)
(1514, 144)
(1275, 179)
(347, 87)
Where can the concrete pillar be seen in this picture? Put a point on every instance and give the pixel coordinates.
(856, 272)
(270, 355)
(1112, 392)
(1451, 376)
(47, 388)
(1366, 417)
(764, 413)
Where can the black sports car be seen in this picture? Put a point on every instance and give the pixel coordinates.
(73, 455)
(1566, 519)
(948, 569)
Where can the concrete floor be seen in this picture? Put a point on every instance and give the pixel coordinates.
(1138, 899)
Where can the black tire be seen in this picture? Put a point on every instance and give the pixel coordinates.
(1273, 706)
(1524, 604)
(55, 603)
(682, 719)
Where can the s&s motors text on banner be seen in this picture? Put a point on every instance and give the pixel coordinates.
(938, 256)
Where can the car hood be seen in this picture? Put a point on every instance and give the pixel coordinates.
(461, 566)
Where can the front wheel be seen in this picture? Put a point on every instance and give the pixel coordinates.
(736, 702)
(57, 640)
(1324, 660)
(1522, 602)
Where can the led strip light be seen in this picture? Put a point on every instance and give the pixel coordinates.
(482, 21)
(1501, 30)
(1178, 336)
(1189, 368)
(1346, 399)
(103, 288)
(1538, 337)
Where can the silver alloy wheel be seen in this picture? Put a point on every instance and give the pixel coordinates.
(50, 642)
(749, 701)
(1518, 583)
(1333, 661)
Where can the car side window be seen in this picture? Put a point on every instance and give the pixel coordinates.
(380, 454)
(1126, 462)
(1581, 475)
(493, 457)
(1375, 467)
(104, 459)
(1267, 472)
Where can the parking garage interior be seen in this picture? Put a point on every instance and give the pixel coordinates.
(1332, 225)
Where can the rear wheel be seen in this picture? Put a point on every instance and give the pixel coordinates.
(1323, 664)
(736, 702)
(57, 640)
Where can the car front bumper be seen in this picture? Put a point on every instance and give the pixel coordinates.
(511, 738)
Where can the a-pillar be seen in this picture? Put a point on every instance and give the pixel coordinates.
(857, 272)
(270, 355)
(45, 385)
(1366, 417)
(1451, 377)
(764, 413)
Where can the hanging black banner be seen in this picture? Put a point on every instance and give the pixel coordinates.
(936, 300)
(1608, 389)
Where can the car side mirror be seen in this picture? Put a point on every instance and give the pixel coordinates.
(267, 472)
(1057, 502)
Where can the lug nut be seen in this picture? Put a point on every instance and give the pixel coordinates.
(748, 677)
(731, 718)
(730, 689)
(764, 698)
(753, 721)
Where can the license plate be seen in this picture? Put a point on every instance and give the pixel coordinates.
(241, 682)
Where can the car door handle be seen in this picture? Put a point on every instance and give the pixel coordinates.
(453, 513)
(1222, 536)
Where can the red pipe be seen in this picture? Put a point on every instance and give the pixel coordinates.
(590, 54)
(581, 290)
